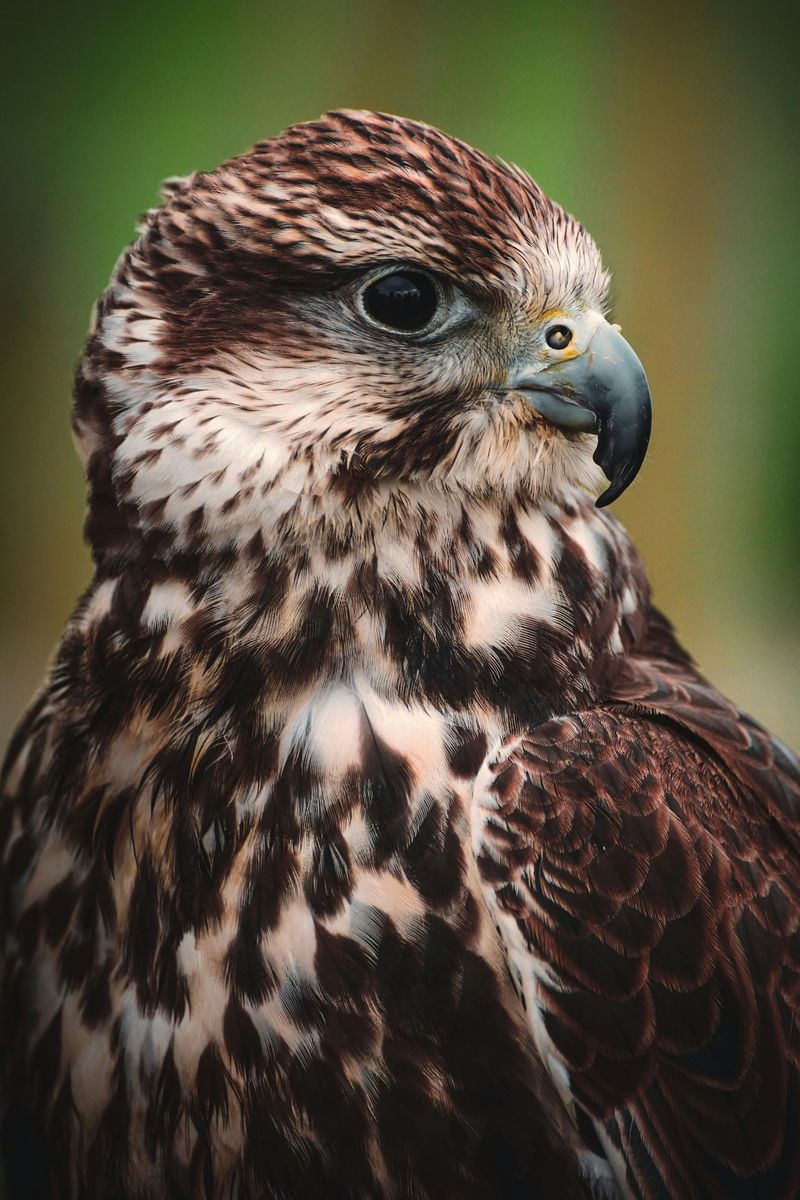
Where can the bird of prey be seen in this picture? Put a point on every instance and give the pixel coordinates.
(372, 837)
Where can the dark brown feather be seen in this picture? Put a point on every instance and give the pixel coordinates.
(653, 844)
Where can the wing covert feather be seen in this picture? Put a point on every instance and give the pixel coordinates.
(642, 861)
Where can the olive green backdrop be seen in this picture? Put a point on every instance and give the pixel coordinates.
(669, 129)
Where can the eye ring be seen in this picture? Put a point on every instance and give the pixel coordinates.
(403, 300)
(558, 337)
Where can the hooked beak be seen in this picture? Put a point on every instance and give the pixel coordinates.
(602, 390)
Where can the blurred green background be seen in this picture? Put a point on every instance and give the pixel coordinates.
(669, 129)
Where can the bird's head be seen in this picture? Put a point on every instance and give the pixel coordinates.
(359, 306)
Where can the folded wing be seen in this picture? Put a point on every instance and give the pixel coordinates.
(643, 862)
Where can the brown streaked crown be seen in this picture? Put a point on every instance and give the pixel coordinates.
(344, 192)
(226, 309)
(358, 186)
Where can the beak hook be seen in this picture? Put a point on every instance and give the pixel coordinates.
(602, 391)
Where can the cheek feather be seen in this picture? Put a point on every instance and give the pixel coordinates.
(230, 387)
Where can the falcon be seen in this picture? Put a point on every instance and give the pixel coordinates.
(372, 837)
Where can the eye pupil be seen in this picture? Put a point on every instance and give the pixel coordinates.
(558, 337)
(404, 300)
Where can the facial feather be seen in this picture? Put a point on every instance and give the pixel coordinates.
(232, 381)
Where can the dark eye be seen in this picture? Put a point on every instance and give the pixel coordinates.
(404, 300)
(558, 337)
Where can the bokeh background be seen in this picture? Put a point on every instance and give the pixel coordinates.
(669, 129)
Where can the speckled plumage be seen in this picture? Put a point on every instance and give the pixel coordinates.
(371, 836)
